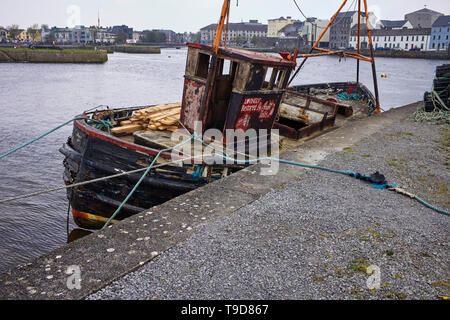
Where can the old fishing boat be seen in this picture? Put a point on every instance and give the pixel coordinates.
(224, 88)
(238, 98)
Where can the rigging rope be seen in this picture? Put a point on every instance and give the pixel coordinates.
(378, 181)
(40, 137)
(142, 179)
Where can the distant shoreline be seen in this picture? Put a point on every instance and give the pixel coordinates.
(14, 55)
(432, 55)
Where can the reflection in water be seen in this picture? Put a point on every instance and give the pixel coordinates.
(37, 97)
(77, 234)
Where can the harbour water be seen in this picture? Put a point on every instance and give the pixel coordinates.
(37, 97)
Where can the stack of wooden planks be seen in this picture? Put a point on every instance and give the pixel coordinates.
(162, 117)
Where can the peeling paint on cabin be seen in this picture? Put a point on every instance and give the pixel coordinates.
(192, 102)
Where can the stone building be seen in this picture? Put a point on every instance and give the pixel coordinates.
(123, 28)
(341, 27)
(396, 24)
(423, 18)
(237, 32)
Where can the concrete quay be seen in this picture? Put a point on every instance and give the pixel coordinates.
(300, 234)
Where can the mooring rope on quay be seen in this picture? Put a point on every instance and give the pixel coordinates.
(377, 180)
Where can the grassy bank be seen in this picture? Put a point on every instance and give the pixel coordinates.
(52, 55)
(137, 49)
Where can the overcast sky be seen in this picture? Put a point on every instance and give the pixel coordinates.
(187, 15)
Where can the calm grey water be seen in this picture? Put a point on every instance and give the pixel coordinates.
(37, 97)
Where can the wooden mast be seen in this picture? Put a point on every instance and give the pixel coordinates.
(359, 44)
(374, 71)
(212, 73)
(318, 41)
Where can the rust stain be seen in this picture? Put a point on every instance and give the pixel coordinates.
(89, 220)
(303, 116)
(192, 103)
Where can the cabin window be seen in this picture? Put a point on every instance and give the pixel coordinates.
(274, 78)
(226, 67)
(280, 79)
(271, 76)
(203, 65)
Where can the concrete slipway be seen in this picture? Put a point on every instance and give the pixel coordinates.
(301, 234)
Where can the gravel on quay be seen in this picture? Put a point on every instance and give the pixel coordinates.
(315, 236)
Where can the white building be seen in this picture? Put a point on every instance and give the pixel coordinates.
(105, 36)
(398, 39)
(79, 34)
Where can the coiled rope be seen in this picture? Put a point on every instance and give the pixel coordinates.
(439, 115)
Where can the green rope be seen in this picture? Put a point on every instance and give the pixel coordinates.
(142, 179)
(101, 124)
(38, 138)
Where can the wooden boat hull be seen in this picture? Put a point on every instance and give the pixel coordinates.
(91, 153)
(302, 112)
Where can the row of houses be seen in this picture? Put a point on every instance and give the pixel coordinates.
(78, 34)
(87, 35)
(22, 35)
(423, 29)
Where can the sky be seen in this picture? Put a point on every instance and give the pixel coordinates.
(187, 15)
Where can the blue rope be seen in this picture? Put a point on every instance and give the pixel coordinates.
(426, 204)
(197, 173)
(305, 165)
(100, 124)
(38, 138)
(348, 173)
(346, 96)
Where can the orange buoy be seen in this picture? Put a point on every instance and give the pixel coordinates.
(383, 75)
